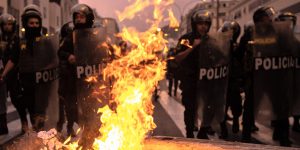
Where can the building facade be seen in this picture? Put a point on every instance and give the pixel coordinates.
(54, 12)
(221, 8)
(243, 11)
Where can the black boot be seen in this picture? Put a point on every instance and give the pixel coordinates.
(235, 125)
(254, 128)
(70, 130)
(210, 131)
(296, 125)
(202, 134)
(283, 128)
(190, 135)
(3, 124)
(25, 127)
(59, 126)
(224, 131)
(246, 135)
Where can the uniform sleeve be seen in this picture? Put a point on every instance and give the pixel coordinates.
(180, 47)
(66, 47)
(15, 51)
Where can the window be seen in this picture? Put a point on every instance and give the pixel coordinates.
(9, 3)
(45, 12)
(238, 15)
(36, 2)
(1, 10)
(57, 20)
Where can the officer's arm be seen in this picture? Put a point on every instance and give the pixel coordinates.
(182, 55)
(188, 49)
(13, 58)
(65, 49)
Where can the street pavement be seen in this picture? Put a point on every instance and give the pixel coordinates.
(168, 116)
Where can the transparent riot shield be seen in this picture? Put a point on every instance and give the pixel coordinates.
(3, 45)
(214, 57)
(38, 68)
(92, 53)
(273, 67)
(46, 74)
(296, 105)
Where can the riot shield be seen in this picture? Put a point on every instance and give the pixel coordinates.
(296, 105)
(92, 53)
(272, 70)
(38, 70)
(46, 74)
(2, 83)
(214, 57)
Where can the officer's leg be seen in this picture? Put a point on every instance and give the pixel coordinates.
(296, 125)
(62, 92)
(61, 113)
(14, 89)
(208, 113)
(71, 111)
(3, 109)
(175, 86)
(170, 85)
(190, 105)
(236, 107)
(28, 96)
(248, 115)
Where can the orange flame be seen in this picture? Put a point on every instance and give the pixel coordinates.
(173, 21)
(135, 77)
(186, 42)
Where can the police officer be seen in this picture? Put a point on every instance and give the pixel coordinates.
(263, 18)
(234, 100)
(263, 14)
(36, 54)
(66, 91)
(188, 70)
(10, 55)
(288, 16)
(171, 72)
(83, 18)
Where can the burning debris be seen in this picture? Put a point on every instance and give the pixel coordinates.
(127, 120)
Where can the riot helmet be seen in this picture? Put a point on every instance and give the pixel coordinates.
(263, 12)
(201, 16)
(31, 11)
(8, 18)
(87, 12)
(66, 29)
(234, 27)
(248, 27)
(287, 16)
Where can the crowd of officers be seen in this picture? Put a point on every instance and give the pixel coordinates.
(185, 67)
(19, 67)
(24, 58)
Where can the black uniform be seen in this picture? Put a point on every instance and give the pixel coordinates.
(11, 52)
(67, 83)
(247, 55)
(188, 76)
(171, 72)
(234, 100)
(37, 58)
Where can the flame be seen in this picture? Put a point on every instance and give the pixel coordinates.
(173, 21)
(127, 120)
(186, 42)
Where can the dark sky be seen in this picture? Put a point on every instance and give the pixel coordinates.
(108, 8)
